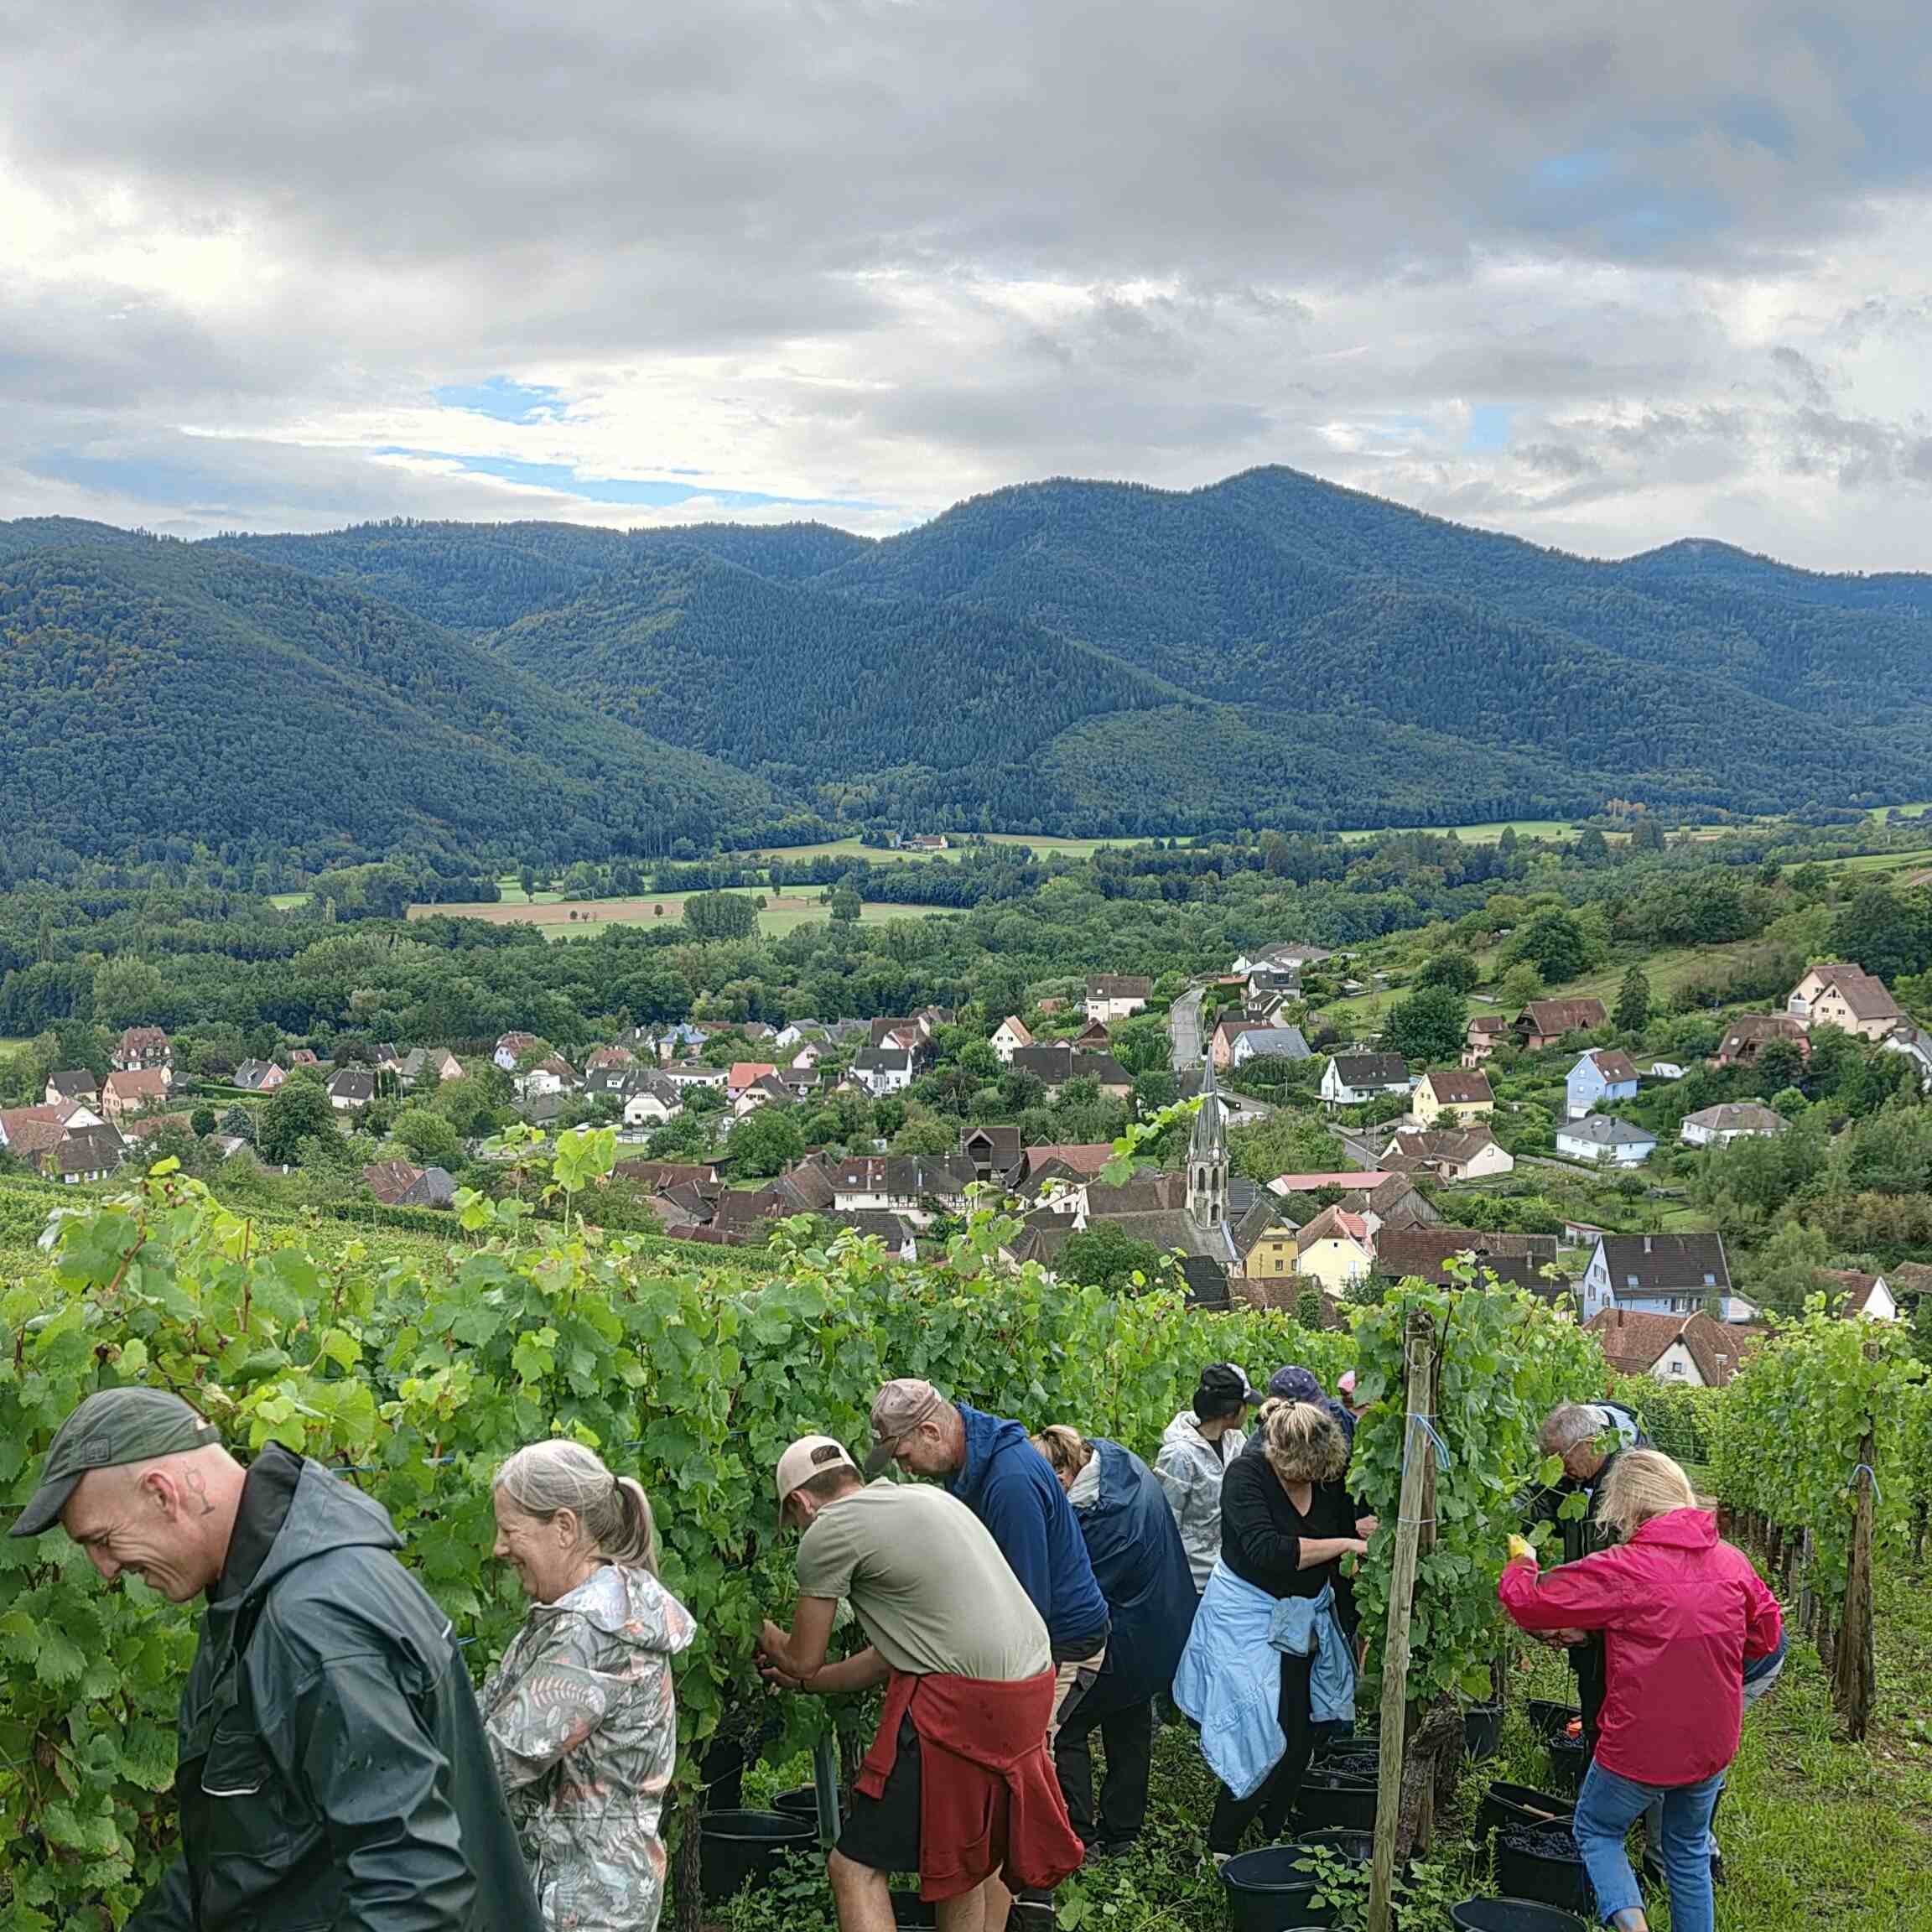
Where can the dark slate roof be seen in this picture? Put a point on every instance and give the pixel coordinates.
(1666, 1263)
(1371, 1069)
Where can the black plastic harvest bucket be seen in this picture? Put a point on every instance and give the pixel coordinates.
(740, 1848)
(1266, 1893)
(1511, 1915)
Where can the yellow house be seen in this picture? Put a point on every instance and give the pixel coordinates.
(1455, 1094)
(1335, 1249)
(1271, 1254)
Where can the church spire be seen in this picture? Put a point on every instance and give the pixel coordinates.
(1207, 1155)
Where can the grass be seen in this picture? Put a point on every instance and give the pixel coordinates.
(1880, 861)
(883, 855)
(1484, 834)
(287, 902)
(553, 916)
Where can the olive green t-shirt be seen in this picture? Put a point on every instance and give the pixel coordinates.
(927, 1582)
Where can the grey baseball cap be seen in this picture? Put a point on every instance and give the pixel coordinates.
(111, 1427)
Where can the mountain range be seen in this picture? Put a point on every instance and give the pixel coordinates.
(1061, 656)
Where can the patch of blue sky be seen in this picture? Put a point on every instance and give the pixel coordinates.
(501, 399)
(639, 491)
(1488, 427)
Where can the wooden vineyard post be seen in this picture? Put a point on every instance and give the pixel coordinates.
(1418, 1466)
(1852, 1673)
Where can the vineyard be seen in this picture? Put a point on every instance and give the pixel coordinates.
(414, 1370)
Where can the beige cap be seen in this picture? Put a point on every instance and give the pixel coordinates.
(897, 1410)
(808, 1457)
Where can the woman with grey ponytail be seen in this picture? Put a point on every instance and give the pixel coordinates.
(582, 1724)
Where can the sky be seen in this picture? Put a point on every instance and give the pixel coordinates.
(1599, 276)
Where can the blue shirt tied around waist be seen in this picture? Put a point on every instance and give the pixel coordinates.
(1229, 1681)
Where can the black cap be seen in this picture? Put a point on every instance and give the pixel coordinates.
(111, 1427)
(1223, 1383)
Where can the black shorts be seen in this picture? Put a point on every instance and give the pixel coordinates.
(882, 1833)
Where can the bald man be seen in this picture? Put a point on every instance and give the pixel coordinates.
(332, 1769)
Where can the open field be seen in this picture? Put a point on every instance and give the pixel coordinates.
(577, 918)
(1485, 834)
(287, 902)
(1047, 847)
(1917, 861)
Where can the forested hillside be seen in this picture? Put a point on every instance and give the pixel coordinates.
(1059, 656)
(153, 691)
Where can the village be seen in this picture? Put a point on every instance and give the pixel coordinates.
(1414, 1145)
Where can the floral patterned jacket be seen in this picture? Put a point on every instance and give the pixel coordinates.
(583, 1733)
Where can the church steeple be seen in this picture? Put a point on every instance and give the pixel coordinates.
(1207, 1155)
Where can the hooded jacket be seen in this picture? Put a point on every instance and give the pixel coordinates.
(333, 1772)
(1010, 1487)
(1142, 1571)
(1189, 1469)
(1681, 1614)
(583, 1731)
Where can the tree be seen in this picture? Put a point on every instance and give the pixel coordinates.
(128, 992)
(1553, 943)
(429, 1137)
(238, 1123)
(1286, 1143)
(1453, 968)
(844, 904)
(1519, 985)
(1104, 1255)
(767, 1142)
(1432, 1024)
(721, 916)
(1780, 1063)
(298, 1110)
(1632, 1012)
(203, 1122)
(927, 1135)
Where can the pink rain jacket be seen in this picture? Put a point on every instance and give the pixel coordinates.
(1680, 1613)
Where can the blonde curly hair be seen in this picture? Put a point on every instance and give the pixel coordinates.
(1303, 1443)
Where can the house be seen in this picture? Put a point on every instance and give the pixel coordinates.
(1290, 958)
(1117, 996)
(1084, 1158)
(658, 1174)
(768, 1090)
(900, 1184)
(1449, 1153)
(1847, 997)
(905, 1031)
(996, 1153)
(1008, 1036)
(1428, 1254)
(552, 1074)
(1856, 1296)
(83, 1154)
(1917, 1043)
(1485, 1033)
(1655, 1274)
(351, 1088)
(402, 1184)
(1749, 1034)
(28, 1132)
(746, 1074)
(514, 1048)
(79, 1085)
(1316, 1183)
(1605, 1141)
(1690, 1350)
(806, 1058)
(1454, 1094)
(1719, 1126)
(1546, 1022)
(143, 1047)
(1355, 1079)
(1056, 1065)
(1335, 1249)
(893, 1232)
(1268, 1043)
(882, 1070)
(610, 1057)
(1093, 1038)
(420, 1063)
(694, 1073)
(1602, 1077)
(1269, 1252)
(304, 1057)
(649, 1101)
(129, 1090)
(259, 1076)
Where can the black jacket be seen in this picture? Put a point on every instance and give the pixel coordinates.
(334, 1774)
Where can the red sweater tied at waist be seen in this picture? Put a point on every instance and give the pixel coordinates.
(989, 1800)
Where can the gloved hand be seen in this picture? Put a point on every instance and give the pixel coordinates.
(1520, 1548)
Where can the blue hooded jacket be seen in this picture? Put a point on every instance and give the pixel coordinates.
(1010, 1487)
(1141, 1566)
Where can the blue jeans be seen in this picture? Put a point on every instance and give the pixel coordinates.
(1605, 1812)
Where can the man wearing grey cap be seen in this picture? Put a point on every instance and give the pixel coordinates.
(332, 1769)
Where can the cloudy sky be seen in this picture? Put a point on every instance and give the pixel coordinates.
(1600, 275)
